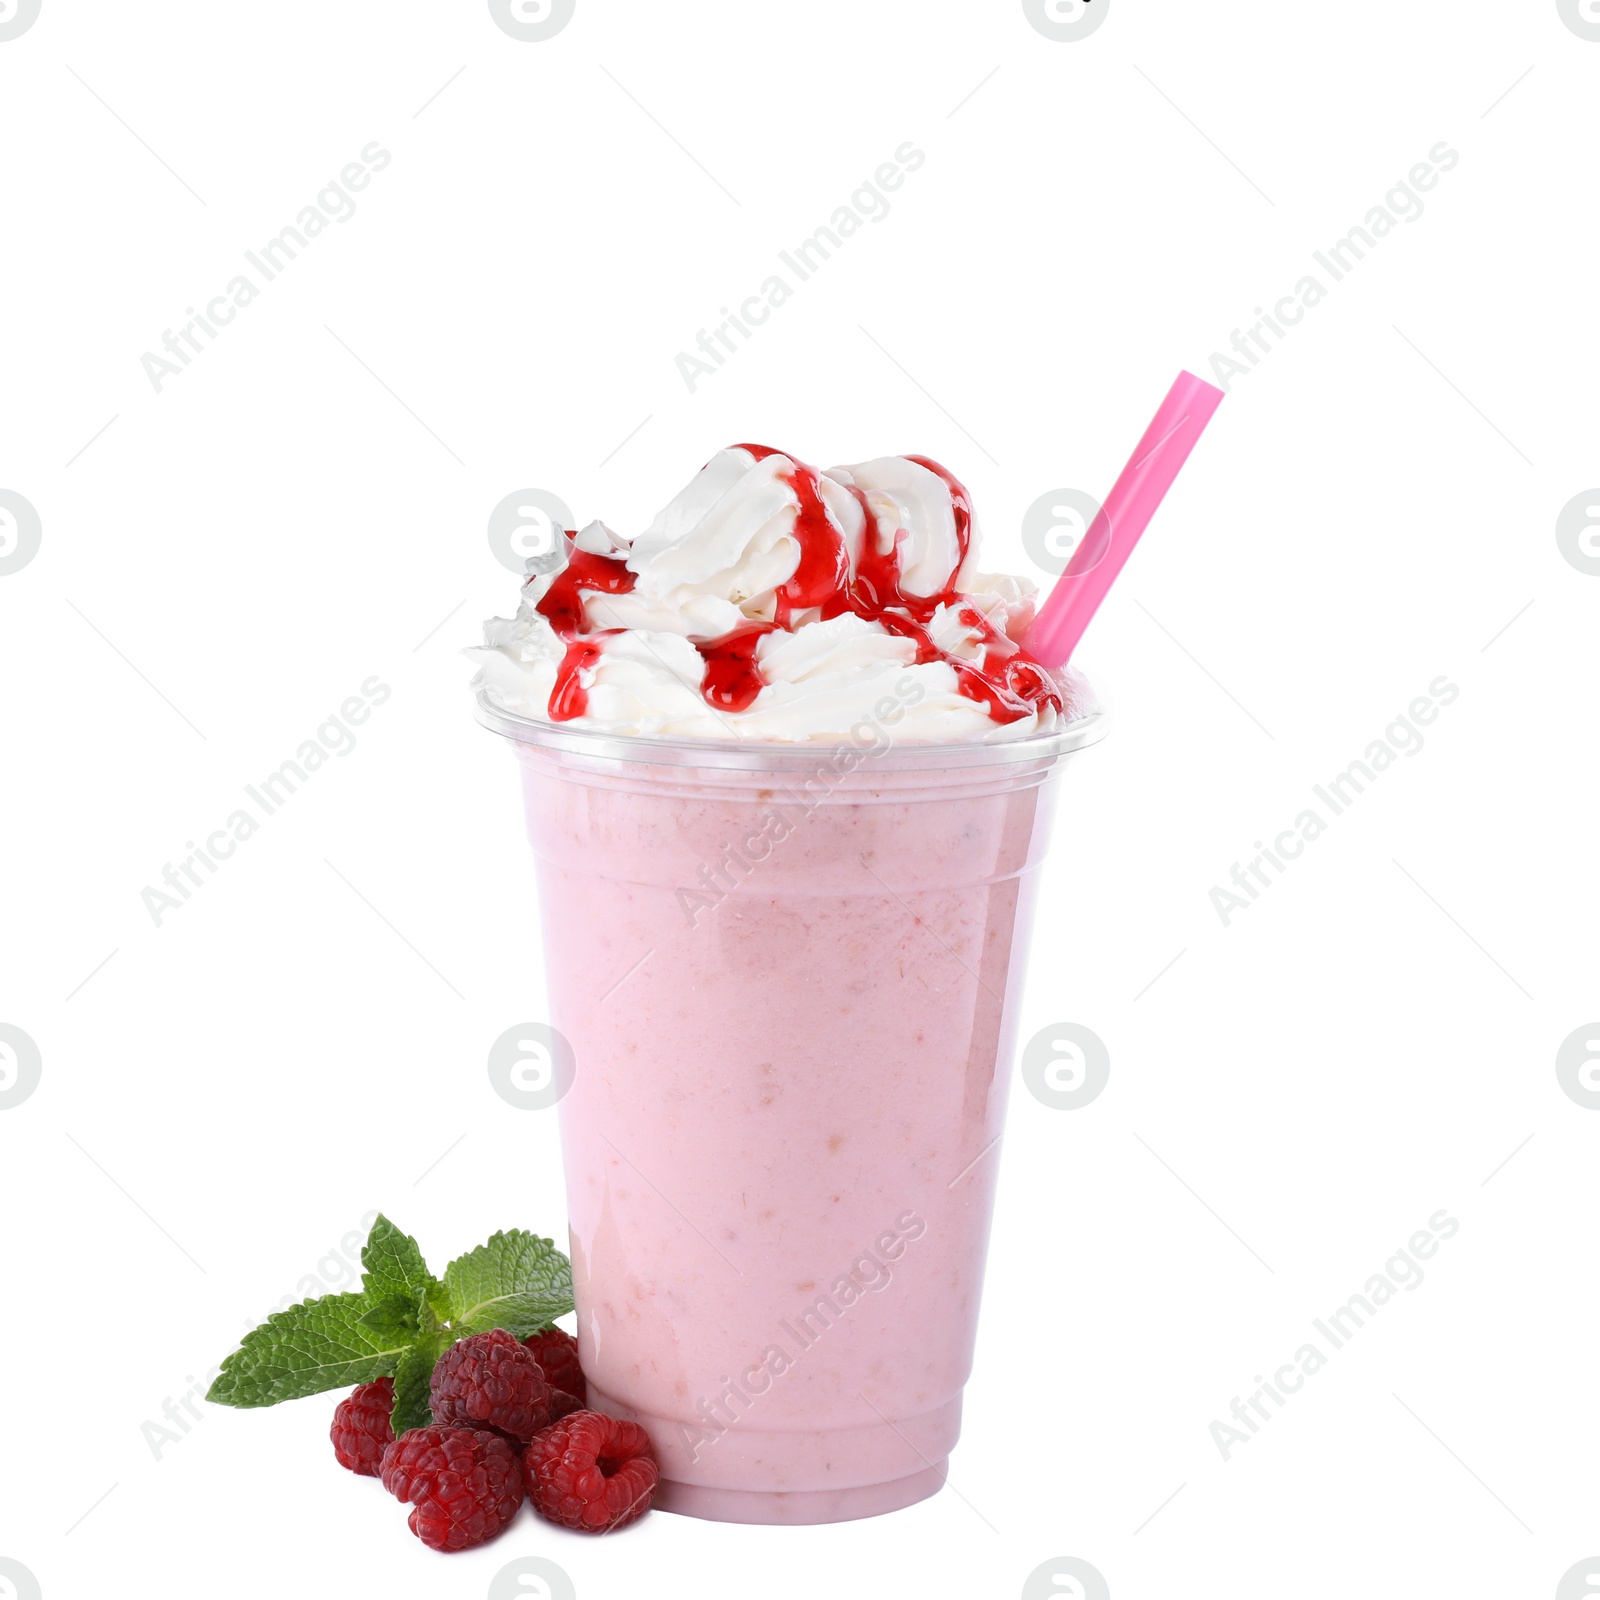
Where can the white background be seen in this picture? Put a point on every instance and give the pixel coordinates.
(226, 1096)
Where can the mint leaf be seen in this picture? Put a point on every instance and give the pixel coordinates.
(517, 1281)
(316, 1345)
(435, 1305)
(394, 1265)
(396, 1314)
(412, 1378)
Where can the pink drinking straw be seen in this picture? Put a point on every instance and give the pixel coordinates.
(1127, 511)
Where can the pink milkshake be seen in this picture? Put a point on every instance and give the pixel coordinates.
(788, 778)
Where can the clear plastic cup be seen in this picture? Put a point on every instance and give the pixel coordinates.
(790, 977)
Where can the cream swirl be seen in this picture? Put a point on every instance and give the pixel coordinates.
(770, 601)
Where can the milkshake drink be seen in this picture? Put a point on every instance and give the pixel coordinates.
(788, 779)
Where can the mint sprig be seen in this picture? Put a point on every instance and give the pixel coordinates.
(403, 1320)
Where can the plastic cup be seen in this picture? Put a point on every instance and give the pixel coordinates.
(789, 976)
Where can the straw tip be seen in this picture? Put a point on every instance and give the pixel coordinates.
(1199, 385)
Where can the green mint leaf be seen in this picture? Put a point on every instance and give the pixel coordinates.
(517, 1281)
(395, 1315)
(394, 1265)
(411, 1382)
(433, 1307)
(316, 1345)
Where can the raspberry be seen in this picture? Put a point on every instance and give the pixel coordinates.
(556, 1351)
(591, 1472)
(563, 1404)
(361, 1427)
(490, 1381)
(464, 1484)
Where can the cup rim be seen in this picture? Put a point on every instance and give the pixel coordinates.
(769, 755)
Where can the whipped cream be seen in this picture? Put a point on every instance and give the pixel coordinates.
(771, 601)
